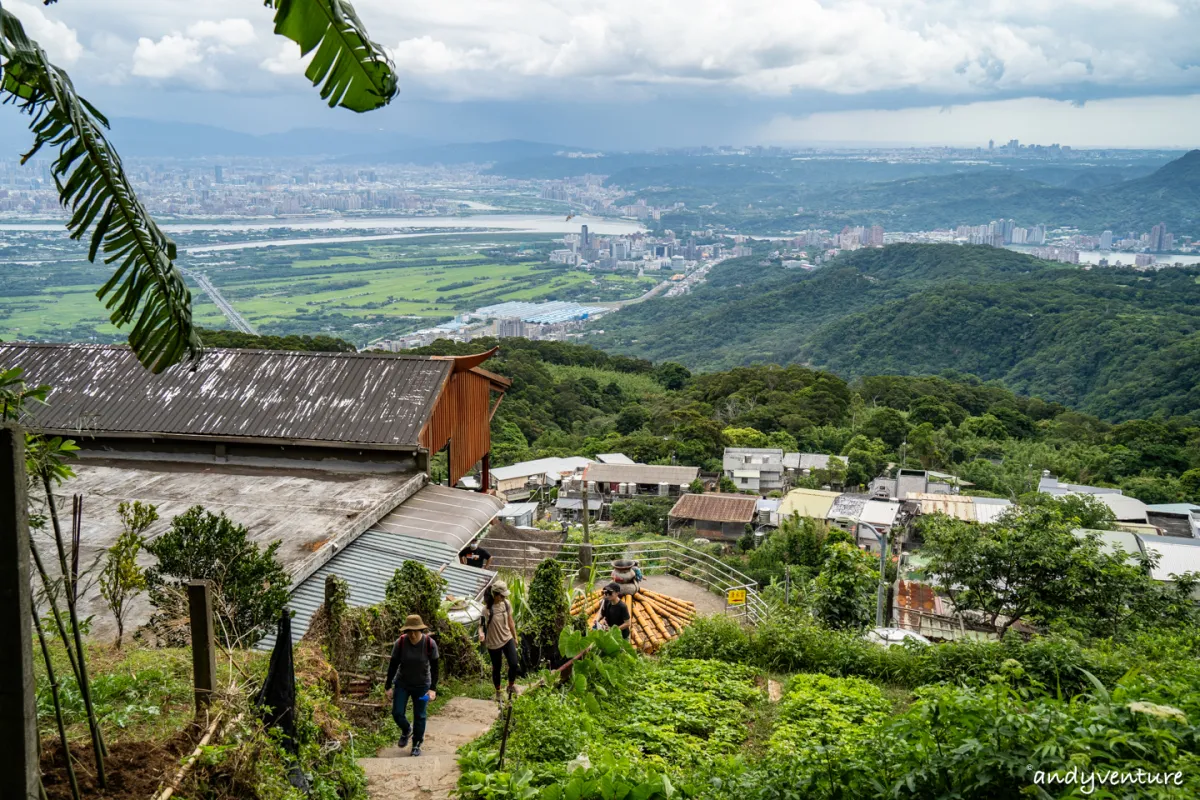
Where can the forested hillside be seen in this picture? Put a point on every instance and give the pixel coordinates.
(1117, 343)
(571, 399)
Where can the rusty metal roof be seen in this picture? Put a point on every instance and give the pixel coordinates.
(256, 395)
(716, 507)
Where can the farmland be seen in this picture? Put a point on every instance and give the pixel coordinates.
(359, 290)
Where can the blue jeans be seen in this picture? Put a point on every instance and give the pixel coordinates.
(400, 696)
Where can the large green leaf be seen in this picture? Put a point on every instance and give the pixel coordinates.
(352, 71)
(146, 289)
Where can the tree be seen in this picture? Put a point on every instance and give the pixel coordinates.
(696, 486)
(929, 409)
(926, 445)
(745, 437)
(886, 424)
(1028, 563)
(632, 417)
(672, 376)
(843, 588)
(147, 291)
(250, 587)
(121, 578)
(984, 426)
(726, 485)
(1189, 482)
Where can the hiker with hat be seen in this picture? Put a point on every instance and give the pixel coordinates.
(498, 632)
(412, 673)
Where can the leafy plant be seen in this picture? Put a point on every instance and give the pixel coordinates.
(121, 578)
(414, 589)
(549, 605)
(843, 588)
(250, 587)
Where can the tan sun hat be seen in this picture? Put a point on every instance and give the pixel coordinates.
(500, 586)
(414, 623)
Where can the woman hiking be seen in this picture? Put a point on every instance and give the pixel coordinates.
(412, 673)
(498, 632)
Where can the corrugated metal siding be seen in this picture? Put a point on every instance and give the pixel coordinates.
(257, 394)
(461, 417)
(368, 563)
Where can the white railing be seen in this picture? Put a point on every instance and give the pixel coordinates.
(655, 557)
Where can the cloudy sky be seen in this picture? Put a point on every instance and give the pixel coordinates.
(641, 73)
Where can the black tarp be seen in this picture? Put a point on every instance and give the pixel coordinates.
(277, 698)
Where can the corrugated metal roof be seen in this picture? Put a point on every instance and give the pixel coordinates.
(1113, 541)
(986, 512)
(847, 506)
(879, 512)
(1176, 556)
(641, 473)
(358, 398)
(451, 517)
(368, 563)
(1124, 508)
(813, 503)
(1180, 509)
(518, 509)
(576, 503)
(541, 466)
(716, 507)
(614, 458)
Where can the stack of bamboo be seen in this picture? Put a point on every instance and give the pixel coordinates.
(657, 618)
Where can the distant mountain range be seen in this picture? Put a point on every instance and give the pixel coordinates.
(1113, 342)
(1090, 200)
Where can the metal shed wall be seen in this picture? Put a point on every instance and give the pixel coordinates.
(367, 564)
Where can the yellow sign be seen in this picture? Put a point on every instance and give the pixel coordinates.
(735, 597)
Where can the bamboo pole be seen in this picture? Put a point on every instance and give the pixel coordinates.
(166, 793)
(58, 717)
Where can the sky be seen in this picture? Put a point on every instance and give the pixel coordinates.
(630, 74)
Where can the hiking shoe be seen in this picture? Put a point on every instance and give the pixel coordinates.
(416, 751)
(499, 699)
(403, 741)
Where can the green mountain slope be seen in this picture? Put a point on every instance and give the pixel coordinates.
(1117, 343)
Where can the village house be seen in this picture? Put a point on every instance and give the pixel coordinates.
(716, 516)
(326, 453)
(523, 480)
(616, 481)
(755, 469)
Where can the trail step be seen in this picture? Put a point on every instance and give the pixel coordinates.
(395, 775)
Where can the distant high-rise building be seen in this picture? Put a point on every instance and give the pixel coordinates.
(876, 236)
(1106, 240)
(218, 175)
(585, 241)
(991, 144)
(1157, 235)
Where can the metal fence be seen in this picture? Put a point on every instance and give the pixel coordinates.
(654, 557)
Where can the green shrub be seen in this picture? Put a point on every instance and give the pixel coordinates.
(718, 638)
(250, 587)
(414, 589)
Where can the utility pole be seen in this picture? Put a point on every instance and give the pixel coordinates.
(585, 552)
(19, 774)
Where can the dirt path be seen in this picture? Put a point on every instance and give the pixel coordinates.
(394, 775)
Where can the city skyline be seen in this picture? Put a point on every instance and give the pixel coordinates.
(663, 73)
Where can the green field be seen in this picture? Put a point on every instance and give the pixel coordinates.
(357, 290)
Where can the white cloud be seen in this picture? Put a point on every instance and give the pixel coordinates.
(169, 56)
(1167, 122)
(286, 61)
(59, 40)
(228, 32)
